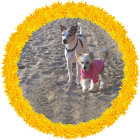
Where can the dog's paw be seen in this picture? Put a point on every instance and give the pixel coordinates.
(84, 89)
(78, 83)
(101, 88)
(69, 82)
(92, 90)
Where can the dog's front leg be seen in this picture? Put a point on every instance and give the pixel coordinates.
(102, 82)
(94, 86)
(69, 66)
(84, 84)
(78, 74)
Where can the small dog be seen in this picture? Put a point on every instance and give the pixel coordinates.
(74, 44)
(92, 70)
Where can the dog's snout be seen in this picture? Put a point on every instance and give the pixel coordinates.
(65, 41)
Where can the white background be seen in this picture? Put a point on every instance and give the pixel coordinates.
(12, 12)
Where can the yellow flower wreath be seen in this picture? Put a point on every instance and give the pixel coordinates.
(43, 16)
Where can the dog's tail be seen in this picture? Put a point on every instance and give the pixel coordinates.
(80, 25)
(106, 54)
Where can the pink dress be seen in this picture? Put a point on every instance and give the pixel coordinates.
(96, 67)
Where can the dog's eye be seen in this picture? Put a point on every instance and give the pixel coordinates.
(87, 62)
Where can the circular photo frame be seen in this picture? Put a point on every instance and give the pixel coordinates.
(44, 16)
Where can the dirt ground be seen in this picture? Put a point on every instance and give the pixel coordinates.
(43, 74)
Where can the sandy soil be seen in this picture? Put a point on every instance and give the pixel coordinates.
(43, 74)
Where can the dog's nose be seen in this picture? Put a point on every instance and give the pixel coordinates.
(65, 41)
(84, 67)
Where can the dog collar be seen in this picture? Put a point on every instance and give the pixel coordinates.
(73, 48)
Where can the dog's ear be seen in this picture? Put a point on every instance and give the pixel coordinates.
(91, 55)
(73, 29)
(63, 28)
(78, 58)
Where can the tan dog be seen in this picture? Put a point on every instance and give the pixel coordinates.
(92, 70)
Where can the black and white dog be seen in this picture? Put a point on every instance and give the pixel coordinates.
(74, 44)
